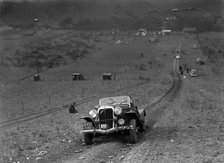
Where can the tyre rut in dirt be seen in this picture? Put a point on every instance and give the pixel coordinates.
(165, 101)
(82, 101)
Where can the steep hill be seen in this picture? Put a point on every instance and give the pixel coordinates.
(125, 13)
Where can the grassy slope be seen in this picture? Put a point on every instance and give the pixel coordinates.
(53, 11)
(124, 60)
(191, 130)
(17, 149)
(54, 131)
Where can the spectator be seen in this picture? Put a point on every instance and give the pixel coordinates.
(141, 55)
(181, 72)
(180, 68)
(72, 108)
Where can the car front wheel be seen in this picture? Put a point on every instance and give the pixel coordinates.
(133, 131)
(88, 138)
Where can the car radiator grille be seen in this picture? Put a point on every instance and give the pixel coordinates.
(106, 118)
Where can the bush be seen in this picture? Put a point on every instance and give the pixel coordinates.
(73, 53)
(50, 53)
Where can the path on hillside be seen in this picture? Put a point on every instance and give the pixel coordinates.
(107, 149)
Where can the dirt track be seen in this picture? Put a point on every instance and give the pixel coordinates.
(184, 113)
(111, 149)
(174, 123)
(178, 121)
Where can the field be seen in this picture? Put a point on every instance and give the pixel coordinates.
(184, 114)
(57, 90)
(191, 129)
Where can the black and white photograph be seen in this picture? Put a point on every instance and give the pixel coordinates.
(111, 81)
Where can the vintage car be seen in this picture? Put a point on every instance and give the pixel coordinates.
(193, 73)
(114, 115)
(36, 77)
(178, 56)
(153, 40)
(77, 76)
(200, 61)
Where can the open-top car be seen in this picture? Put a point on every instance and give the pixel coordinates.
(200, 61)
(114, 115)
(178, 56)
(193, 73)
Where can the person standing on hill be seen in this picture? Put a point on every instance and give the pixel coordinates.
(72, 108)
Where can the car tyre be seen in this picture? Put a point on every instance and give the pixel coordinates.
(133, 131)
(88, 138)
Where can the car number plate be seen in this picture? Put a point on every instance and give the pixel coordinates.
(87, 126)
(103, 126)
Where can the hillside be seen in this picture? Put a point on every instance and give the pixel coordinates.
(101, 14)
(184, 112)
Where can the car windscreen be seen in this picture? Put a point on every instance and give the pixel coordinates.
(114, 100)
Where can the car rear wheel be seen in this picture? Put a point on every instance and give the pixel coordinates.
(88, 138)
(133, 131)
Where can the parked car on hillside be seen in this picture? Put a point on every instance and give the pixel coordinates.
(153, 40)
(77, 76)
(177, 56)
(114, 115)
(200, 61)
(107, 76)
(36, 77)
(193, 73)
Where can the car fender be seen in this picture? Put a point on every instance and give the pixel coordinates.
(132, 115)
(142, 114)
(88, 119)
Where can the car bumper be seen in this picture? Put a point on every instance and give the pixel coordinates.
(111, 130)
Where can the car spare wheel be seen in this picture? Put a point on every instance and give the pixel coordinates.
(88, 138)
(133, 131)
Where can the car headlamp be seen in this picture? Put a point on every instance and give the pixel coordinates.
(93, 113)
(121, 121)
(117, 110)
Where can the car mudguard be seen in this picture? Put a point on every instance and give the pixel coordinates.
(132, 115)
(142, 114)
(88, 119)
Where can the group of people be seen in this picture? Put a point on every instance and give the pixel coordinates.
(181, 69)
